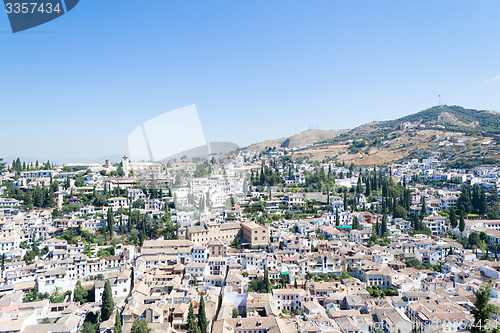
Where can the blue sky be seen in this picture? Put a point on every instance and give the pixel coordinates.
(76, 86)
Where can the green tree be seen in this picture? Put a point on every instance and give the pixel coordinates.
(453, 218)
(192, 325)
(461, 225)
(483, 311)
(423, 212)
(483, 237)
(80, 294)
(118, 323)
(474, 239)
(110, 219)
(267, 283)
(383, 227)
(355, 223)
(79, 182)
(139, 203)
(202, 316)
(88, 327)
(140, 326)
(107, 304)
(236, 313)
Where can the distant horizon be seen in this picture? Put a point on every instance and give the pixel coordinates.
(255, 70)
(116, 157)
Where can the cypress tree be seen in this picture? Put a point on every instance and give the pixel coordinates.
(208, 203)
(453, 218)
(37, 197)
(122, 225)
(394, 205)
(355, 222)
(368, 188)
(474, 199)
(118, 323)
(143, 227)
(383, 228)
(110, 219)
(423, 211)
(202, 204)
(129, 221)
(202, 316)
(49, 199)
(267, 283)
(415, 222)
(18, 165)
(461, 225)
(67, 183)
(107, 304)
(482, 203)
(192, 326)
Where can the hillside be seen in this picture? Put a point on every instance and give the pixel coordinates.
(302, 139)
(452, 118)
(455, 134)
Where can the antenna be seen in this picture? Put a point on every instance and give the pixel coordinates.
(440, 103)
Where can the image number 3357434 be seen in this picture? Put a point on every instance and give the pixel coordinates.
(26, 14)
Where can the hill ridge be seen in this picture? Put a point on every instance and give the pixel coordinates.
(450, 132)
